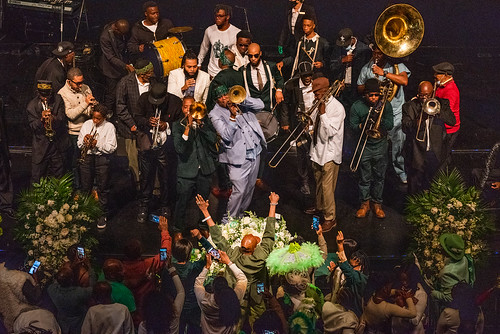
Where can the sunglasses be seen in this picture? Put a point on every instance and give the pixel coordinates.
(77, 83)
(243, 45)
(253, 56)
(373, 94)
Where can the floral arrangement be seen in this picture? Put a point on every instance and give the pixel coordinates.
(236, 229)
(447, 207)
(52, 219)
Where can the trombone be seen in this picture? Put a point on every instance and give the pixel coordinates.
(198, 111)
(305, 121)
(371, 130)
(431, 107)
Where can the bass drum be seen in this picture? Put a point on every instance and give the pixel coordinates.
(269, 124)
(166, 55)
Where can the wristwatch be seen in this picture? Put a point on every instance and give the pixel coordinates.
(385, 73)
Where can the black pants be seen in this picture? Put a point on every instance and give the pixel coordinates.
(449, 142)
(186, 190)
(223, 176)
(51, 164)
(150, 163)
(420, 180)
(73, 154)
(110, 93)
(96, 166)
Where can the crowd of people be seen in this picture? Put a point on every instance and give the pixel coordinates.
(182, 132)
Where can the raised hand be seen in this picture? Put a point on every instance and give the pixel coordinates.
(202, 204)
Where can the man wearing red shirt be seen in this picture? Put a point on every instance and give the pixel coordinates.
(447, 89)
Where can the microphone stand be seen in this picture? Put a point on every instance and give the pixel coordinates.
(246, 16)
(62, 20)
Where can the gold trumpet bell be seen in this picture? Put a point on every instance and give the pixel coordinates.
(399, 30)
(198, 110)
(237, 94)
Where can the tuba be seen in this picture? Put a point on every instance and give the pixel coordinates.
(398, 32)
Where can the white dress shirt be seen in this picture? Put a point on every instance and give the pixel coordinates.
(330, 134)
(307, 94)
(143, 87)
(293, 19)
(262, 70)
(106, 137)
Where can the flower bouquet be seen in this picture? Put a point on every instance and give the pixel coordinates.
(52, 219)
(238, 228)
(447, 207)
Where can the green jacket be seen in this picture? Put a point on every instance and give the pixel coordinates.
(198, 152)
(228, 77)
(254, 266)
(359, 112)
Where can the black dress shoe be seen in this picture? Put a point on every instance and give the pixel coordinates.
(327, 225)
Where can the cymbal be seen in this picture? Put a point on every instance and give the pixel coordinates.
(178, 30)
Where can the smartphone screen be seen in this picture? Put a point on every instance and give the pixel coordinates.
(81, 252)
(260, 288)
(154, 218)
(215, 253)
(34, 267)
(316, 223)
(163, 254)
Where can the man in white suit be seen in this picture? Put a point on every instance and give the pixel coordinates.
(188, 80)
(242, 141)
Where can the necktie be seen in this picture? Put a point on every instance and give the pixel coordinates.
(259, 80)
(316, 128)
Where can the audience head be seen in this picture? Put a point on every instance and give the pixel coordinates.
(144, 69)
(226, 59)
(296, 282)
(268, 322)
(186, 104)
(249, 243)
(113, 270)
(407, 277)
(101, 293)
(158, 312)
(65, 277)
(65, 51)
(190, 63)
(181, 250)
(243, 40)
(75, 79)
(254, 54)
(121, 27)
(379, 283)
(133, 250)
(359, 261)
(308, 24)
(227, 301)
(99, 113)
(72, 253)
(222, 15)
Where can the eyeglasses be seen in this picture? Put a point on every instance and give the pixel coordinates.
(373, 94)
(220, 15)
(77, 83)
(254, 56)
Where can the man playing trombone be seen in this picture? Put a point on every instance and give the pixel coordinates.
(365, 114)
(424, 119)
(242, 141)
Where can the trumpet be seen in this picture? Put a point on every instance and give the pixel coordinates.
(47, 123)
(87, 145)
(298, 138)
(156, 131)
(431, 107)
(371, 130)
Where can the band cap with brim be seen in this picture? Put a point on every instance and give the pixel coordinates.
(221, 91)
(453, 245)
(44, 87)
(444, 68)
(372, 86)
(63, 48)
(305, 68)
(157, 93)
(320, 83)
(344, 37)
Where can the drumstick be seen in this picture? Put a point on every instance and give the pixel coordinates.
(307, 54)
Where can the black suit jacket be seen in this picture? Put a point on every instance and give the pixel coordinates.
(287, 40)
(171, 111)
(142, 35)
(362, 54)
(414, 151)
(112, 61)
(41, 143)
(264, 93)
(294, 101)
(127, 99)
(52, 70)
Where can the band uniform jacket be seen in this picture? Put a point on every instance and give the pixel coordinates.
(228, 77)
(293, 102)
(414, 150)
(233, 147)
(274, 81)
(171, 111)
(361, 55)
(112, 61)
(41, 143)
(139, 34)
(127, 99)
(286, 38)
(197, 152)
(52, 70)
(177, 79)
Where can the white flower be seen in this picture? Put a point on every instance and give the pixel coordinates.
(65, 206)
(458, 204)
(449, 206)
(69, 217)
(64, 232)
(437, 228)
(60, 218)
(50, 202)
(434, 210)
(451, 218)
(30, 252)
(38, 228)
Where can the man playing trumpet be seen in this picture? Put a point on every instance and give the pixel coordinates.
(424, 126)
(195, 141)
(50, 134)
(373, 161)
(97, 141)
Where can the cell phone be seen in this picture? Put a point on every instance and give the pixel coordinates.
(80, 252)
(277, 216)
(269, 332)
(215, 253)
(260, 288)
(316, 223)
(34, 267)
(163, 254)
(154, 218)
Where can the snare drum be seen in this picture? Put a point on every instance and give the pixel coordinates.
(269, 124)
(166, 55)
